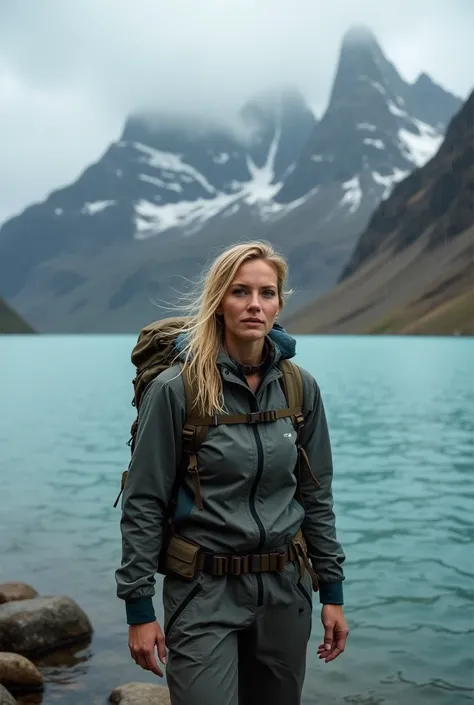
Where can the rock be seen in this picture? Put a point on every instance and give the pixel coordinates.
(19, 671)
(16, 591)
(140, 694)
(41, 624)
(5, 697)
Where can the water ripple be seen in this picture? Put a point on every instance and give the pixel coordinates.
(401, 415)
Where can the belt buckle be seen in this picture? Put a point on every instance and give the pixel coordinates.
(253, 416)
(236, 565)
(220, 565)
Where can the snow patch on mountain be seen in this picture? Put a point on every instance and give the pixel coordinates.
(389, 180)
(375, 143)
(151, 219)
(93, 207)
(395, 110)
(160, 183)
(171, 162)
(419, 148)
(352, 195)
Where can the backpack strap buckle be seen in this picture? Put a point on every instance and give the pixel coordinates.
(270, 415)
(220, 565)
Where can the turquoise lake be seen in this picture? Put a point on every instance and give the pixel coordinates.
(401, 418)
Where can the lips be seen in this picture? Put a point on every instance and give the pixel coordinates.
(252, 320)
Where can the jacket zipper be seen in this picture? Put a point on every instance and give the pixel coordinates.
(253, 509)
(196, 589)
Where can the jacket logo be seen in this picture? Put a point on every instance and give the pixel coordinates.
(287, 435)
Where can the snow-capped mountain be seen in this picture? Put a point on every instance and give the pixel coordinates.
(377, 128)
(171, 190)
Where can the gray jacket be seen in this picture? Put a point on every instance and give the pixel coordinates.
(248, 482)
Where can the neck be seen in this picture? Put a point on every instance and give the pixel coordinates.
(246, 352)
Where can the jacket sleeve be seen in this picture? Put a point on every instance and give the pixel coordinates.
(319, 524)
(147, 492)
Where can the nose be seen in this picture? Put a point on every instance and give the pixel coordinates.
(254, 303)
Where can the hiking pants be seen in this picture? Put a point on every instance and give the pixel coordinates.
(237, 640)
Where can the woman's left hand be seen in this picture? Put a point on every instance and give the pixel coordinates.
(336, 632)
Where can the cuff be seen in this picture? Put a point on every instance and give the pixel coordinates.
(331, 594)
(140, 610)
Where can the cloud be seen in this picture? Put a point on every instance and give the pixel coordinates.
(71, 72)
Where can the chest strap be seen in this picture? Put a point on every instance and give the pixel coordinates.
(250, 418)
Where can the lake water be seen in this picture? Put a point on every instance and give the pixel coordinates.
(401, 415)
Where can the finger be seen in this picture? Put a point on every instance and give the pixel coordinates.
(334, 654)
(152, 664)
(328, 636)
(161, 646)
(141, 661)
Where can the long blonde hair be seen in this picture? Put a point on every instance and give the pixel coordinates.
(204, 331)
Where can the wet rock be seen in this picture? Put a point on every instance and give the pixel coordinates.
(10, 592)
(5, 697)
(19, 671)
(140, 694)
(41, 624)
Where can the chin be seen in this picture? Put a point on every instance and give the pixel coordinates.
(251, 334)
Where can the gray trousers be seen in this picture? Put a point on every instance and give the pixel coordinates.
(237, 640)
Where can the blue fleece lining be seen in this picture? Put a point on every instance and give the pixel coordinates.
(140, 611)
(331, 594)
(283, 340)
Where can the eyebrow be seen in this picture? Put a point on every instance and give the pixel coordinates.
(264, 286)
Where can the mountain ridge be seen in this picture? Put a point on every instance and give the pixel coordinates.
(156, 205)
(412, 269)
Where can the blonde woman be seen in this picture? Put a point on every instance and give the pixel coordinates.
(260, 537)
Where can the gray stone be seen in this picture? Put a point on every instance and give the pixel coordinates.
(6, 698)
(41, 624)
(16, 591)
(18, 670)
(140, 694)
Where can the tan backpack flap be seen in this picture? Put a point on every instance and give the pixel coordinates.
(154, 351)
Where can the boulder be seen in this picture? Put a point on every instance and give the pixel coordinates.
(41, 624)
(16, 591)
(5, 697)
(140, 694)
(18, 671)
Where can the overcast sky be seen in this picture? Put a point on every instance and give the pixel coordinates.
(71, 70)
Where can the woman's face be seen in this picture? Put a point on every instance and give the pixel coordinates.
(251, 304)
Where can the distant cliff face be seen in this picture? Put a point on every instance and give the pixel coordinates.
(437, 198)
(412, 270)
(11, 322)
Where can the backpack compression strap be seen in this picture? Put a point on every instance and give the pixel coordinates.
(293, 387)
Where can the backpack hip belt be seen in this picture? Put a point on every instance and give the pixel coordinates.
(186, 558)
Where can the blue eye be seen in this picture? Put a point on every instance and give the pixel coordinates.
(269, 293)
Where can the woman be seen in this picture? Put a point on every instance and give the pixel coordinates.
(241, 636)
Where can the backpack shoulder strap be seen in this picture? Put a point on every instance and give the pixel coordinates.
(193, 434)
(292, 384)
(294, 392)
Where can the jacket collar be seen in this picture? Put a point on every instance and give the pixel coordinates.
(282, 347)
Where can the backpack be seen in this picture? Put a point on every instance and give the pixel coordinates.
(154, 352)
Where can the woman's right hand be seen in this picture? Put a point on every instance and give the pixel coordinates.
(142, 639)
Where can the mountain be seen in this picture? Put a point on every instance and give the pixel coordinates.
(141, 221)
(412, 270)
(376, 130)
(11, 322)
